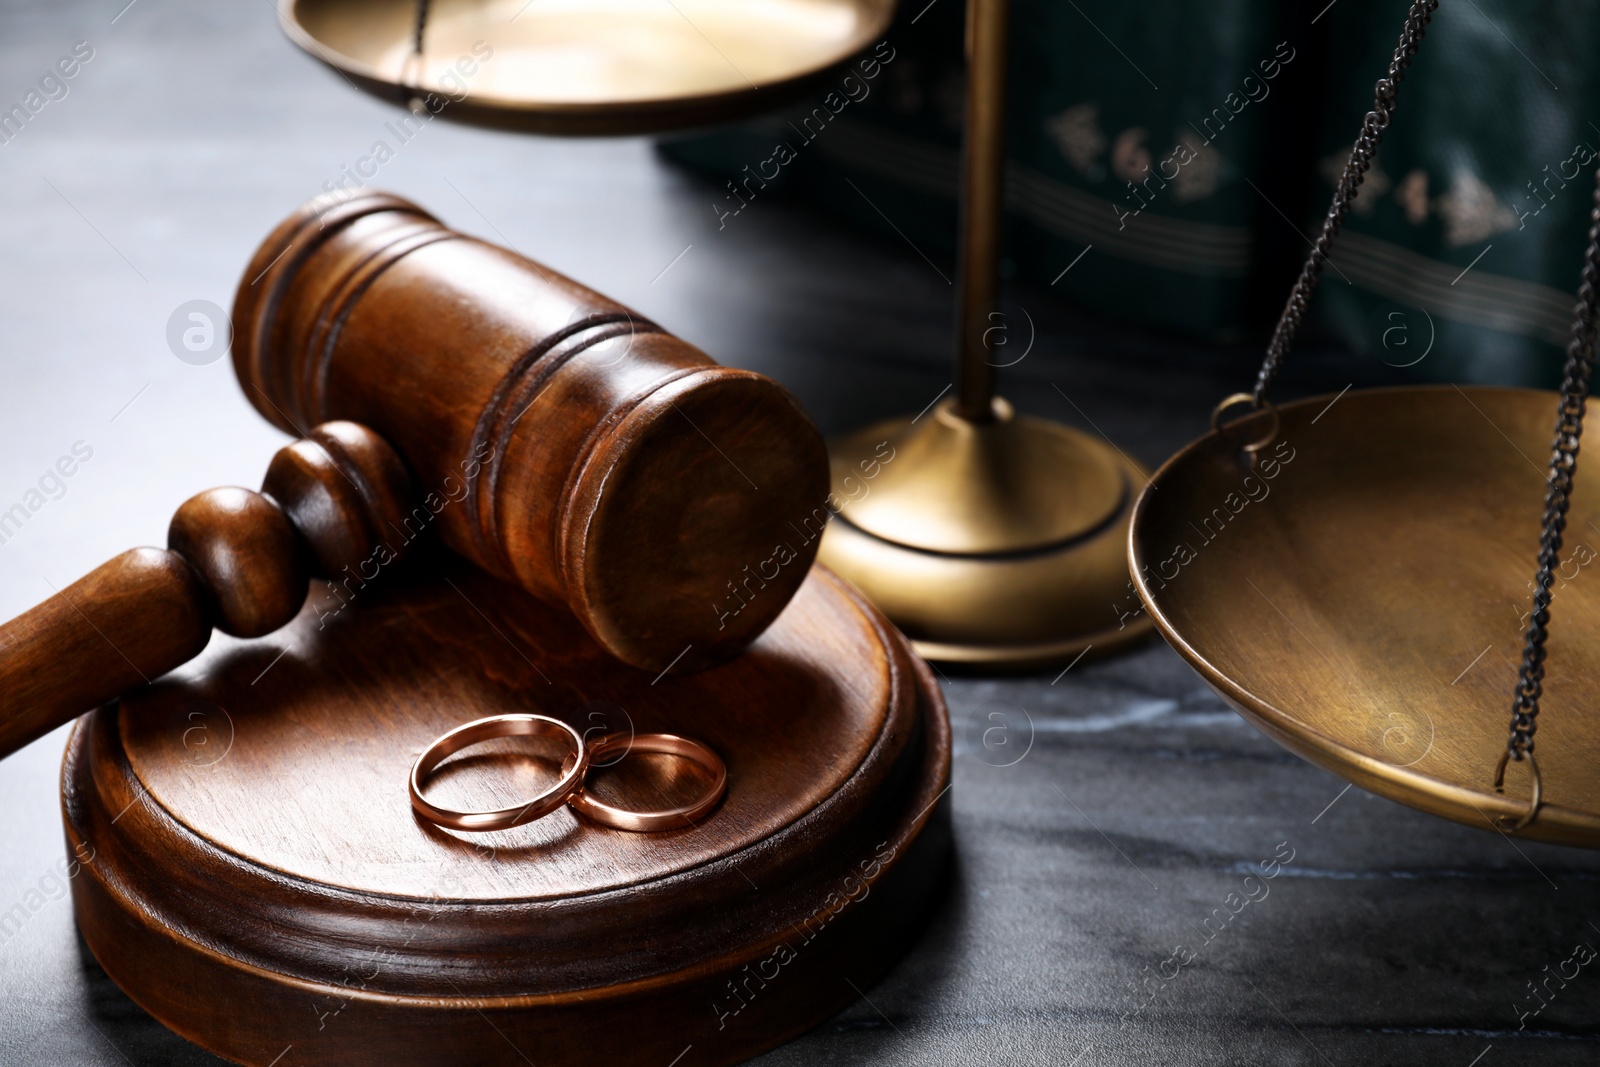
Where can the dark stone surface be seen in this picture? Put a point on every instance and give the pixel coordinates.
(1140, 801)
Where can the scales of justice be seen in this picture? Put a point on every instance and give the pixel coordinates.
(502, 480)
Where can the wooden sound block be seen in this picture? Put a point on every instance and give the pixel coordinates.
(254, 877)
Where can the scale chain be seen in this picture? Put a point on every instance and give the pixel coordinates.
(421, 27)
(1563, 468)
(1344, 195)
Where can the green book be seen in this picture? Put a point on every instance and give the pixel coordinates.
(1461, 256)
(1133, 133)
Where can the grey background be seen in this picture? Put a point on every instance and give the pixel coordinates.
(1140, 801)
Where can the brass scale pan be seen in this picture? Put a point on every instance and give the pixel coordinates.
(1360, 588)
(589, 66)
(1361, 595)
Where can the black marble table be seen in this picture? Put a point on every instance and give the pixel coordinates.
(1126, 802)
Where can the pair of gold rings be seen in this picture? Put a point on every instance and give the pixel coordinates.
(569, 788)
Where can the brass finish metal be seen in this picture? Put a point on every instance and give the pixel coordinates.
(1267, 436)
(997, 543)
(590, 66)
(990, 539)
(983, 180)
(1535, 799)
(981, 488)
(1360, 595)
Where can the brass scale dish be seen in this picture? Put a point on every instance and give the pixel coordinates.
(589, 66)
(1352, 573)
(1364, 605)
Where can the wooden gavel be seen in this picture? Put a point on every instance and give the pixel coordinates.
(550, 435)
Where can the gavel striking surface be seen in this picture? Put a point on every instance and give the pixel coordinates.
(258, 878)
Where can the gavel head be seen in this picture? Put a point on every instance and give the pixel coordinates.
(555, 437)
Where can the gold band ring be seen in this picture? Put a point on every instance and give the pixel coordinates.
(603, 814)
(572, 772)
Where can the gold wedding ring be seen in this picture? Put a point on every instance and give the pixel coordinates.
(569, 789)
(573, 770)
(604, 814)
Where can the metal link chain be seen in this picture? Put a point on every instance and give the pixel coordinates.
(422, 25)
(1563, 468)
(410, 80)
(1355, 169)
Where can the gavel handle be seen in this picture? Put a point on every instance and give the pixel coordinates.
(127, 622)
(236, 560)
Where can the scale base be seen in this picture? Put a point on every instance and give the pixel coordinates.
(1000, 544)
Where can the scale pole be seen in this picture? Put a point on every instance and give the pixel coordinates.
(982, 207)
(997, 538)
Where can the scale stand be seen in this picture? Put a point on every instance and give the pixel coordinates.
(990, 538)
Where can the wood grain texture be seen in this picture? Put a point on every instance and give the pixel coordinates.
(560, 439)
(258, 870)
(344, 490)
(126, 622)
(237, 560)
(244, 549)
